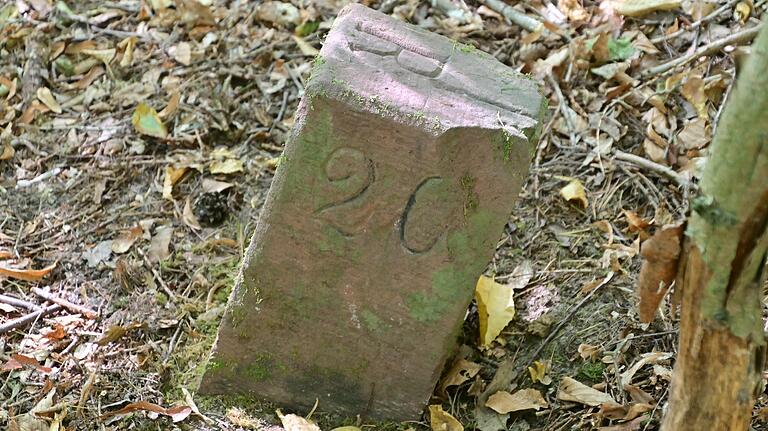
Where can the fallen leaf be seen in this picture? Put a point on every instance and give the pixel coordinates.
(647, 358)
(589, 352)
(188, 216)
(461, 371)
(525, 399)
(638, 395)
(495, 308)
(574, 192)
(7, 308)
(172, 176)
(638, 8)
(8, 151)
(213, 186)
(177, 414)
(125, 240)
(282, 14)
(741, 11)
(31, 421)
(158, 247)
(347, 428)
(98, 253)
(146, 121)
(573, 390)
(28, 362)
(693, 91)
(182, 53)
(521, 275)
(171, 107)
(103, 55)
(293, 422)
(695, 134)
(635, 222)
(305, 47)
(45, 96)
(440, 420)
(226, 166)
(661, 253)
(26, 274)
(538, 371)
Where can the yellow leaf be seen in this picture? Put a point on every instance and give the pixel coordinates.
(538, 371)
(146, 121)
(440, 420)
(574, 192)
(741, 12)
(128, 44)
(7, 152)
(526, 399)
(346, 428)
(227, 166)
(495, 308)
(305, 47)
(45, 96)
(172, 176)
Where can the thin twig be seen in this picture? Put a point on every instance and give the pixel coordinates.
(516, 17)
(27, 319)
(717, 12)
(743, 36)
(85, 311)
(653, 166)
(40, 178)
(158, 278)
(5, 299)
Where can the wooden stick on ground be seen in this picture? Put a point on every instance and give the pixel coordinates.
(516, 17)
(27, 319)
(85, 311)
(10, 300)
(652, 166)
(743, 36)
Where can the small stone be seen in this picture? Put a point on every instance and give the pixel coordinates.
(211, 208)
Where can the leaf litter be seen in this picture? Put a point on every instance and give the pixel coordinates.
(136, 110)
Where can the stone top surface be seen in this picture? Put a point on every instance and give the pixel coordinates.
(396, 69)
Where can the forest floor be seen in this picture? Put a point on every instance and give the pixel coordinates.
(138, 140)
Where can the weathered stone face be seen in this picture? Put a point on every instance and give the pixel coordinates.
(406, 158)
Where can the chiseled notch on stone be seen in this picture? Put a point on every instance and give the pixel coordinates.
(406, 158)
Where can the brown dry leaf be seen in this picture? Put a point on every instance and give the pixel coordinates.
(171, 107)
(646, 358)
(573, 10)
(574, 192)
(125, 240)
(573, 390)
(177, 414)
(625, 412)
(30, 421)
(440, 420)
(127, 45)
(8, 151)
(638, 8)
(693, 91)
(241, 419)
(495, 308)
(26, 361)
(158, 248)
(188, 216)
(635, 222)
(461, 371)
(26, 274)
(695, 134)
(638, 395)
(172, 176)
(45, 96)
(88, 79)
(293, 422)
(538, 371)
(589, 352)
(661, 253)
(526, 399)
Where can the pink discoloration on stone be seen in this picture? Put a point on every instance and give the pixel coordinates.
(397, 180)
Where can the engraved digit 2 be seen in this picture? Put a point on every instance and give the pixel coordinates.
(350, 174)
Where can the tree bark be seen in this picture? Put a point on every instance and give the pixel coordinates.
(722, 343)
